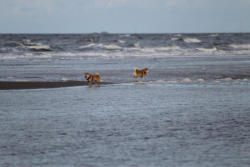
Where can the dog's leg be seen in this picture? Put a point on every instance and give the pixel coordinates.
(98, 83)
(90, 84)
(135, 79)
(143, 77)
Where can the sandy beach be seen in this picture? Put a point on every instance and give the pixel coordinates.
(6, 85)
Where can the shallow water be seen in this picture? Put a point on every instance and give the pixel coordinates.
(120, 70)
(142, 124)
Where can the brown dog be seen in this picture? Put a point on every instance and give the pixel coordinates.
(93, 78)
(140, 73)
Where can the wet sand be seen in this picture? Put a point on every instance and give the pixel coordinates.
(7, 85)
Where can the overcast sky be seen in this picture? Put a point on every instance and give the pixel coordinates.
(124, 16)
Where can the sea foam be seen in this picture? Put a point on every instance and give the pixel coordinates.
(191, 40)
(240, 46)
(207, 49)
(186, 80)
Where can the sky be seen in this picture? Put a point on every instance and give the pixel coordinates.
(124, 16)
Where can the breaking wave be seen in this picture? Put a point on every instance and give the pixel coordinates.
(240, 46)
(101, 46)
(122, 45)
(191, 40)
(28, 44)
(207, 49)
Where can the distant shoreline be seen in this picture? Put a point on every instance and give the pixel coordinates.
(141, 33)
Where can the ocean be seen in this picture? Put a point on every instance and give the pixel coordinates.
(192, 109)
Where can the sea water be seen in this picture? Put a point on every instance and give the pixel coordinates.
(192, 109)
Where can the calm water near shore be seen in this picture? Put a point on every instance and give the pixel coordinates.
(143, 124)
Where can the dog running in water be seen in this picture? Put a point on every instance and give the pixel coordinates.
(93, 78)
(140, 73)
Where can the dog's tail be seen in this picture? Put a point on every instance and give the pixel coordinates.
(134, 73)
(99, 77)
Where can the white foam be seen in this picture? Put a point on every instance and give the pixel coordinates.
(24, 56)
(213, 35)
(137, 44)
(245, 79)
(186, 80)
(28, 42)
(174, 39)
(112, 47)
(101, 46)
(121, 41)
(240, 46)
(88, 46)
(207, 49)
(167, 48)
(172, 82)
(201, 80)
(192, 40)
(64, 79)
(239, 52)
(158, 81)
(228, 79)
(39, 46)
(35, 46)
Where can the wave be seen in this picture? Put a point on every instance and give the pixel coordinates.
(191, 40)
(207, 49)
(175, 39)
(112, 47)
(92, 45)
(121, 41)
(240, 46)
(40, 47)
(11, 56)
(201, 80)
(172, 82)
(186, 80)
(13, 44)
(134, 45)
(167, 48)
(36, 46)
(101, 46)
(29, 45)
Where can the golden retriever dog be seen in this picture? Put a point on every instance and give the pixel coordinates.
(93, 78)
(140, 73)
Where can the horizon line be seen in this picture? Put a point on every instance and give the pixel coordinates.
(104, 32)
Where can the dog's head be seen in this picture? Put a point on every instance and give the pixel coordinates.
(146, 70)
(87, 75)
